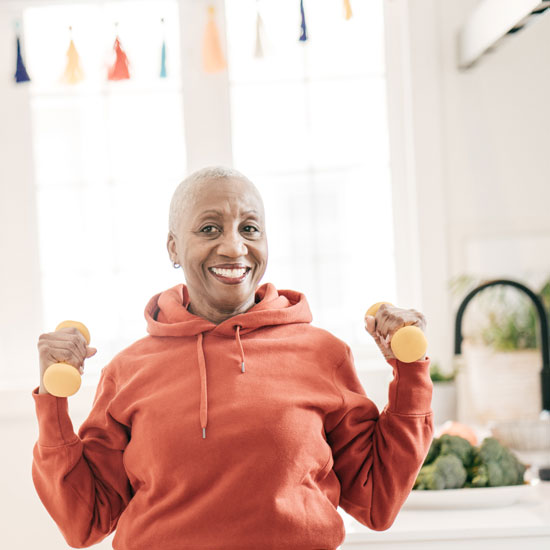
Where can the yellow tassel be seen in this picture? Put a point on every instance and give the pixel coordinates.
(347, 9)
(213, 58)
(73, 71)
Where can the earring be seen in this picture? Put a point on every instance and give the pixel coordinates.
(176, 265)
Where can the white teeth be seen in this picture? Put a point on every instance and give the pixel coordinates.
(230, 273)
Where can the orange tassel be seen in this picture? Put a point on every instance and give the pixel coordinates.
(119, 70)
(347, 10)
(213, 58)
(73, 71)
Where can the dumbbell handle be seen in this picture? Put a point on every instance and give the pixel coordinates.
(62, 379)
(408, 343)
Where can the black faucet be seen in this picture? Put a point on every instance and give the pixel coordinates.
(545, 372)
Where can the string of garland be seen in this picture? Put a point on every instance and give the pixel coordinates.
(213, 58)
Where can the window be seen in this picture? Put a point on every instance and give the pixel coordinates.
(310, 129)
(108, 157)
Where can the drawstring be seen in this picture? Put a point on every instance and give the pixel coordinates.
(240, 346)
(202, 370)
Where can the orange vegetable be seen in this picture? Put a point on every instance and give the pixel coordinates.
(452, 427)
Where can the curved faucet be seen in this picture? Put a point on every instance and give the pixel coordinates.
(545, 372)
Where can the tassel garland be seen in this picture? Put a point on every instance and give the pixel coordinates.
(213, 59)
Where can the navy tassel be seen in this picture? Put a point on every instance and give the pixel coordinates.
(303, 36)
(21, 74)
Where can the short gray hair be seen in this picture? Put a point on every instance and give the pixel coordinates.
(188, 189)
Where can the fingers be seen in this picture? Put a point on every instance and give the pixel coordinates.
(64, 345)
(370, 324)
(63, 356)
(66, 337)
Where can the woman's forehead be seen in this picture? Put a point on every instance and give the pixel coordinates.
(227, 198)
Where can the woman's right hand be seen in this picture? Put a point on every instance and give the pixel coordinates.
(65, 345)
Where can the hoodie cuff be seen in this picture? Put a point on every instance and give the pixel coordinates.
(55, 427)
(410, 391)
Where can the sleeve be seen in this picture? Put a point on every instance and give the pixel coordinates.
(81, 479)
(377, 456)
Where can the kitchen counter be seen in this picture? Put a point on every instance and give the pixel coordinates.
(524, 525)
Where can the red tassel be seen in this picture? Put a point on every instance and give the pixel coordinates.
(119, 70)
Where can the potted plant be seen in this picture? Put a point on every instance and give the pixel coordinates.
(499, 378)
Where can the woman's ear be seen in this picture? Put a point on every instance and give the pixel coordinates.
(171, 247)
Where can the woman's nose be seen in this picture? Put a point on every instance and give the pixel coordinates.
(232, 245)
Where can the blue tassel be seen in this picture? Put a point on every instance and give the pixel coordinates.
(163, 61)
(303, 36)
(20, 73)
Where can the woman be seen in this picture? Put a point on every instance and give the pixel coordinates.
(291, 434)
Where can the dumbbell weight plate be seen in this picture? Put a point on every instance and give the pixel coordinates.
(62, 379)
(78, 325)
(409, 344)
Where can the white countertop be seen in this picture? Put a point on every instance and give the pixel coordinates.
(525, 524)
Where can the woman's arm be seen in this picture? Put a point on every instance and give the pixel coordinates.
(81, 479)
(377, 456)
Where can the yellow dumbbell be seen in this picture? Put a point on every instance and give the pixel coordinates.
(408, 343)
(63, 379)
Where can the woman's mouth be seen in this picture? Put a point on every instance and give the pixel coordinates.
(232, 276)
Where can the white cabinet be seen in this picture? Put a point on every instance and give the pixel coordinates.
(524, 525)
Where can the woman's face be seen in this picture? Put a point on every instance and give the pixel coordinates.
(221, 245)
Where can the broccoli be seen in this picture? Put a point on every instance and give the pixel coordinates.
(452, 462)
(445, 472)
(458, 446)
(433, 452)
(494, 465)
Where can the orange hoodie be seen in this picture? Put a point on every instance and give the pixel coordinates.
(246, 434)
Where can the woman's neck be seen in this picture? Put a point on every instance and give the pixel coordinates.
(216, 315)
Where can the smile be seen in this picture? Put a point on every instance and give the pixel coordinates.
(230, 276)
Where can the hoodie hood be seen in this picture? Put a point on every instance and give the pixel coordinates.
(167, 314)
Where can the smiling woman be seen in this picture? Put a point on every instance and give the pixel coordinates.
(217, 233)
(292, 434)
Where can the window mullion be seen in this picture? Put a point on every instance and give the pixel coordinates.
(205, 96)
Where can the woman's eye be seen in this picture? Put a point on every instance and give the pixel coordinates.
(206, 228)
(248, 228)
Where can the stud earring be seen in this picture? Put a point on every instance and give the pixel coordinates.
(176, 265)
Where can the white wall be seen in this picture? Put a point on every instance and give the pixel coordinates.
(469, 151)
(496, 128)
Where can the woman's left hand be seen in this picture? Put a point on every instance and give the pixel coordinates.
(388, 320)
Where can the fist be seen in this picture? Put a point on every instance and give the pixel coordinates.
(65, 345)
(388, 320)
